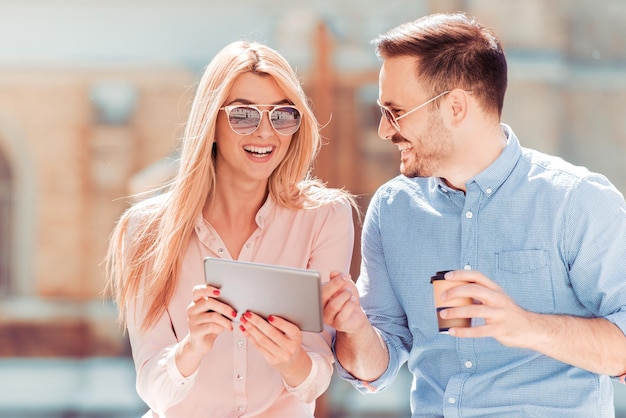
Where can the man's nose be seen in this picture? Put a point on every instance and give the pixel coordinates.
(385, 129)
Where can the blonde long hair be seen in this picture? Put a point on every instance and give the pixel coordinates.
(145, 260)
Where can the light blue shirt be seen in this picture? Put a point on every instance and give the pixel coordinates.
(553, 235)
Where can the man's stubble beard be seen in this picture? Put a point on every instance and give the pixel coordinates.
(433, 145)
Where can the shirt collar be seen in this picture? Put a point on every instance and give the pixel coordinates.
(490, 179)
(264, 211)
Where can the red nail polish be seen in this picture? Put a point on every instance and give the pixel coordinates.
(270, 318)
(243, 320)
(241, 327)
(233, 314)
(248, 314)
(216, 292)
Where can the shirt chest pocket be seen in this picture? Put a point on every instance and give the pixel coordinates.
(525, 277)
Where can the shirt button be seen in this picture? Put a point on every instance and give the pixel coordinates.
(468, 364)
(451, 400)
(469, 214)
(248, 245)
(220, 251)
(239, 377)
(489, 190)
(240, 343)
(467, 267)
(240, 408)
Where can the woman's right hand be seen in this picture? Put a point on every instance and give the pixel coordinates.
(207, 318)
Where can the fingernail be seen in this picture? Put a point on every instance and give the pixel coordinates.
(242, 328)
(243, 320)
(216, 292)
(233, 314)
(248, 314)
(270, 318)
(448, 275)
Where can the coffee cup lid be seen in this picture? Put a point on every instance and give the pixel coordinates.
(439, 275)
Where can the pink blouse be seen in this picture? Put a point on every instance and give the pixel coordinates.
(233, 379)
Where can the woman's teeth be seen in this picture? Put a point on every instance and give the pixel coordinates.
(258, 150)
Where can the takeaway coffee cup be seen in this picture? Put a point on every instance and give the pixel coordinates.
(440, 284)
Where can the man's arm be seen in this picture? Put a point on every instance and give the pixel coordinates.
(593, 344)
(358, 346)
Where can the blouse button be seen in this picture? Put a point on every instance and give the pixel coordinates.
(469, 214)
(239, 377)
(220, 251)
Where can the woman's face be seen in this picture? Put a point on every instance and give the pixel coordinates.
(250, 157)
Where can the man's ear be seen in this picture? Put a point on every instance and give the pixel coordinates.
(458, 102)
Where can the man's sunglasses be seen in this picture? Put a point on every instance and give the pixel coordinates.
(393, 119)
(245, 119)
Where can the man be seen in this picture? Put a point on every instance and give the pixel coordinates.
(541, 242)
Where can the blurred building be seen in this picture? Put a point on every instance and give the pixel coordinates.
(93, 99)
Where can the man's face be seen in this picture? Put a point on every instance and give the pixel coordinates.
(423, 141)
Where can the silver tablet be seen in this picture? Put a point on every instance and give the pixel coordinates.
(291, 293)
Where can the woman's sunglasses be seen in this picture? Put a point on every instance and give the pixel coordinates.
(245, 119)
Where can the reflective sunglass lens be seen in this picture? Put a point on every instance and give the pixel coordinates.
(244, 120)
(285, 120)
(390, 118)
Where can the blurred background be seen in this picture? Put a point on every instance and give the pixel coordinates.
(93, 97)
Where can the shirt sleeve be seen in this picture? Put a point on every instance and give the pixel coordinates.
(159, 383)
(378, 300)
(332, 250)
(595, 247)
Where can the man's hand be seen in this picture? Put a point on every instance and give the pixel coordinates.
(504, 319)
(358, 346)
(340, 300)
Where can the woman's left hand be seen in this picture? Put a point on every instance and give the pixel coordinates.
(280, 342)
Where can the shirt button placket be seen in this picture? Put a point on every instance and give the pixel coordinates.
(239, 376)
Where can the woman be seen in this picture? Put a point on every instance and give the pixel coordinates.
(243, 191)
